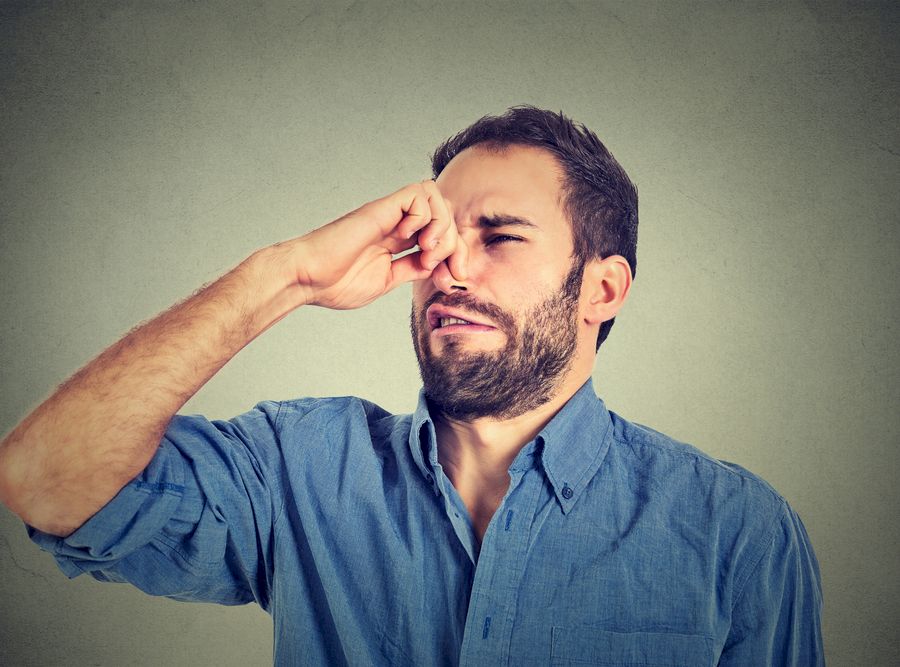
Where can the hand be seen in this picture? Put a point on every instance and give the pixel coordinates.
(350, 262)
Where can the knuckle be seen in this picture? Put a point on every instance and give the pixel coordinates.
(431, 188)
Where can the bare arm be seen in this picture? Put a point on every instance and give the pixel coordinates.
(99, 430)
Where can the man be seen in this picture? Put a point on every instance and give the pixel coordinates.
(512, 519)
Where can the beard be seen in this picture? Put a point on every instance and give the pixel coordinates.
(505, 383)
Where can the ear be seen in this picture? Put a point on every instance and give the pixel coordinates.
(604, 288)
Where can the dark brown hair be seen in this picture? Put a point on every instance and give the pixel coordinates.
(599, 198)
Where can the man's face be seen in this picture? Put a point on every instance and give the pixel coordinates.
(520, 299)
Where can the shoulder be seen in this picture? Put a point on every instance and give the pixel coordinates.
(339, 412)
(742, 516)
(681, 470)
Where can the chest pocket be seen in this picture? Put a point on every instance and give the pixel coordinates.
(586, 645)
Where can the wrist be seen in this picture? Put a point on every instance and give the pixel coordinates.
(276, 291)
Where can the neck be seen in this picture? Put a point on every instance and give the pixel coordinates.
(478, 453)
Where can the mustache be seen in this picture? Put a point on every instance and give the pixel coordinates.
(470, 303)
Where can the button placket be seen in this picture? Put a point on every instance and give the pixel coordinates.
(517, 531)
(498, 574)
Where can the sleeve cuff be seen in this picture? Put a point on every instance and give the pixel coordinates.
(127, 522)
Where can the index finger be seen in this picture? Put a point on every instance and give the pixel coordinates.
(458, 258)
(458, 261)
(439, 239)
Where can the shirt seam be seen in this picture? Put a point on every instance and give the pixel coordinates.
(757, 560)
(705, 459)
(281, 493)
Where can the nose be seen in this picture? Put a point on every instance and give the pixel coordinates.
(449, 281)
(444, 280)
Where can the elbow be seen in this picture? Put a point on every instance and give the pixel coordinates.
(12, 486)
(21, 492)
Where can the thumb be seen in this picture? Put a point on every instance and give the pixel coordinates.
(406, 269)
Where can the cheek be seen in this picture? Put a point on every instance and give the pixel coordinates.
(520, 264)
(519, 304)
(519, 289)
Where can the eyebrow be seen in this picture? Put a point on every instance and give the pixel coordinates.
(501, 220)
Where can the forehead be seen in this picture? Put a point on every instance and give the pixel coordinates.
(523, 181)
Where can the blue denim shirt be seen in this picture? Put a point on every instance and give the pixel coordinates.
(614, 544)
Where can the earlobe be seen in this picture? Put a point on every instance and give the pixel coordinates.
(606, 284)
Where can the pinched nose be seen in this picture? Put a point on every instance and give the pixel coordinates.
(445, 281)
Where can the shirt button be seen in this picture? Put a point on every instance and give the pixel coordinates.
(567, 492)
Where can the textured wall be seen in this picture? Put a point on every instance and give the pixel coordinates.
(149, 146)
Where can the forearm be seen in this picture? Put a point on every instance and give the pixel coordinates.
(102, 426)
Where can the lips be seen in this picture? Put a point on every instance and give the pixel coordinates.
(442, 316)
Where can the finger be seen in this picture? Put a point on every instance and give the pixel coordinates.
(441, 250)
(458, 261)
(396, 245)
(441, 219)
(407, 268)
(412, 210)
(446, 236)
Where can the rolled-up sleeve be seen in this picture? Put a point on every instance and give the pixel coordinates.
(776, 619)
(197, 524)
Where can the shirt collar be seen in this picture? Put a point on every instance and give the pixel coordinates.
(574, 444)
(422, 438)
(570, 447)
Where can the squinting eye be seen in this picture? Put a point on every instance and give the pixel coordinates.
(501, 238)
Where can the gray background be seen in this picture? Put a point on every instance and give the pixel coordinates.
(147, 147)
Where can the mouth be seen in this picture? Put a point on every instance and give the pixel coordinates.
(444, 321)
